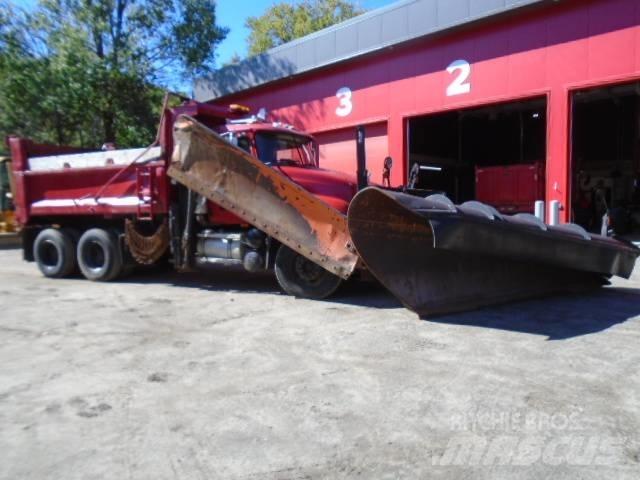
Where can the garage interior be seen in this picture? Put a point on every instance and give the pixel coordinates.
(450, 146)
(606, 158)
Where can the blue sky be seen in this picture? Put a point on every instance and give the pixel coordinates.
(233, 13)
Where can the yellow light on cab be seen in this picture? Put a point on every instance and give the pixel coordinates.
(237, 108)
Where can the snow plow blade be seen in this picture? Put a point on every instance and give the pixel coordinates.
(439, 258)
(434, 256)
(261, 196)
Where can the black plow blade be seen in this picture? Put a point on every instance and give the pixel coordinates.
(438, 258)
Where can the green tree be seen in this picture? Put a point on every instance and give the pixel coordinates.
(88, 71)
(287, 21)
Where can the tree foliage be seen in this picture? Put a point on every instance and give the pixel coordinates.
(88, 71)
(287, 21)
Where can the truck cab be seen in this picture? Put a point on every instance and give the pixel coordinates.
(296, 155)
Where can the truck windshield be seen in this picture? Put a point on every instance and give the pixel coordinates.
(286, 149)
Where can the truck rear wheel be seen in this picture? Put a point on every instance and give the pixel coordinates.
(54, 253)
(99, 255)
(301, 277)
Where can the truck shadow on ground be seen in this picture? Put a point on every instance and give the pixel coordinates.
(220, 280)
(231, 279)
(557, 317)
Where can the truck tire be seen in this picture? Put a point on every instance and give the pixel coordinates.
(54, 253)
(303, 278)
(99, 255)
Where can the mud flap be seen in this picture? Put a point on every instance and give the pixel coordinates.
(395, 237)
(146, 249)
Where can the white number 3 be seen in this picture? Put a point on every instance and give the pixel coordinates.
(346, 106)
(460, 84)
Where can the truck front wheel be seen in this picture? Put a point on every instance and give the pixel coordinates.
(301, 277)
(99, 255)
(54, 253)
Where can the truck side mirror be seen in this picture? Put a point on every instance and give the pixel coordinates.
(230, 137)
(414, 173)
(386, 172)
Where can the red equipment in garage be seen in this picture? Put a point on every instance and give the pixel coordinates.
(511, 189)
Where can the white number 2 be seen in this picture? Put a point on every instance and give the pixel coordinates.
(344, 95)
(460, 84)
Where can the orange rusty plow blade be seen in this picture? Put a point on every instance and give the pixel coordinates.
(261, 196)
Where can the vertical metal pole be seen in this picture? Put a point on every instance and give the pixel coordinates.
(604, 226)
(554, 212)
(187, 239)
(458, 164)
(521, 137)
(539, 209)
(362, 174)
(407, 160)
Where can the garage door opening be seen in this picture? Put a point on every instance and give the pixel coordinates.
(606, 158)
(495, 154)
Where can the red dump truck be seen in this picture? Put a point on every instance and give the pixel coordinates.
(219, 188)
(103, 212)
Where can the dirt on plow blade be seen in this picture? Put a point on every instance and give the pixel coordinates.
(439, 258)
(261, 196)
(435, 257)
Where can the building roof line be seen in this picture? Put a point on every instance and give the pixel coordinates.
(371, 32)
(351, 21)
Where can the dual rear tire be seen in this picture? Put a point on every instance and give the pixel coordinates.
(97, 253)
(54, 252)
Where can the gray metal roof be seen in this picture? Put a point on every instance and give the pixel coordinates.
(399, 22)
